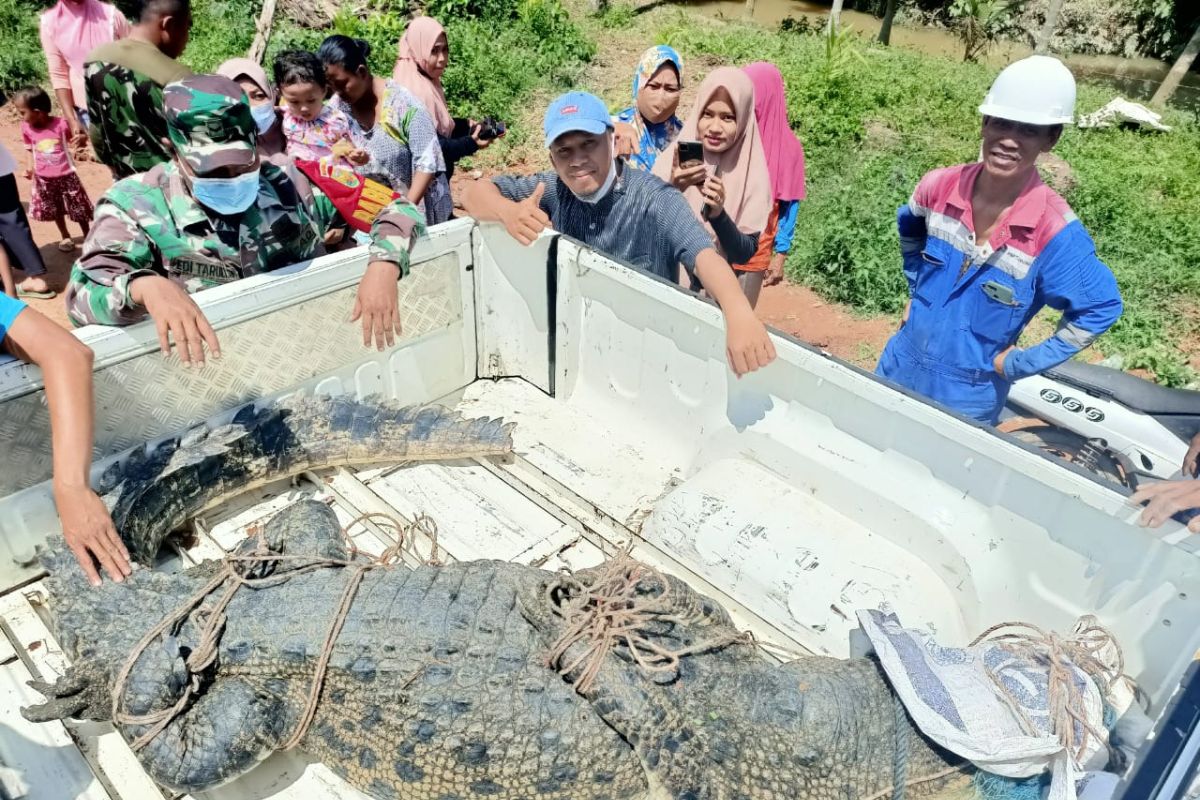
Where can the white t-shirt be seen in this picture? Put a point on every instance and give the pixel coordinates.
(7, 165)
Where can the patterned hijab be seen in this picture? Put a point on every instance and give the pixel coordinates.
(742, 168)
(412, 70)
(653, 136)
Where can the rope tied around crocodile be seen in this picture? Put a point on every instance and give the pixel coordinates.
(238, 571)
(1084, 649)
(610, 611)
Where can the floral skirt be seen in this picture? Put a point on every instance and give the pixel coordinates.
(63, 196)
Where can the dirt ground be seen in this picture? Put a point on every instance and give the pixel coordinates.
(96, 178)
(790, 308)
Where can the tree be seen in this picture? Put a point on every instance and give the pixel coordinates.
(1182, 65)
(1047, 32)
(835, 14)
(889, 14)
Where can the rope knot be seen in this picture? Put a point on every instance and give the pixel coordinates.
(623, 603)
(1090, 649)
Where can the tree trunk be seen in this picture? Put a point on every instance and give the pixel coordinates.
(1047, 31)
(262, 33)
(889, 14)
(1182, 65)
(750, 9)
(835, 14)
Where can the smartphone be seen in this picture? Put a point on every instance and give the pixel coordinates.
(690, 151)
(999, 292)
(706, 210)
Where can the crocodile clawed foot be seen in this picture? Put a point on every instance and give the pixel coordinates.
(69, 697)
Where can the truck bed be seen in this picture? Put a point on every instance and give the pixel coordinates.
(482, 509)
(795, 496)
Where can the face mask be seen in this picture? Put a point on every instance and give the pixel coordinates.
(264, 116)
(602, 192)
(227, 195)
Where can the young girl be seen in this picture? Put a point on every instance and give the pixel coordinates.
(785, 161)
(313, 130)
(57, 190)
(729, 189)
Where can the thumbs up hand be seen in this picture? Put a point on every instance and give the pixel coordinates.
(524, 220)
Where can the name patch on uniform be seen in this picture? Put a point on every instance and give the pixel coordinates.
(205, 270)
(1013, 262)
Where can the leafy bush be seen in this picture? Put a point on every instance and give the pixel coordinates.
(617, 16)
(871, 131)
(221, 29)
(494, 10)
(980, 23)
(21, 60)
(494, 66)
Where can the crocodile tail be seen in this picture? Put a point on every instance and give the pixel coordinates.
(155, 490)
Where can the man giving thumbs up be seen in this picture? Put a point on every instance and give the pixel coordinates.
(629, 215)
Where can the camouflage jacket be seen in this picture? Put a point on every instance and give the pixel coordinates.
(150, 225)
(125, 81)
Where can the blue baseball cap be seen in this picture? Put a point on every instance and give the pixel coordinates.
(575, 111)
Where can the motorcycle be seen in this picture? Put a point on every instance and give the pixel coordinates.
(1118, 426)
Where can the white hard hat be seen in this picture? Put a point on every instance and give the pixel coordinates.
(1039, 90)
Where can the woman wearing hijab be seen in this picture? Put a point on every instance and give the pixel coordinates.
(785, 162)
(70, 30)
(424, 56)
(729, 189)
(261, 93)
(650, 124)
(390, 124)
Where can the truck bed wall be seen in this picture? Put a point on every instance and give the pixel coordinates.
(281, 332)
(807, 491)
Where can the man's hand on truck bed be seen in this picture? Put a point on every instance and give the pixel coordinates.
(1165, 500)
(748, 346)
(377, 304)
(176, 316)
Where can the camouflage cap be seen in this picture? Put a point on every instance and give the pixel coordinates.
(209, 122)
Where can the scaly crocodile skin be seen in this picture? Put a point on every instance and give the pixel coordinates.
(438, 687)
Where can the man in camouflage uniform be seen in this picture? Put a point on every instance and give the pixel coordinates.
(152, 241)
(125, 80)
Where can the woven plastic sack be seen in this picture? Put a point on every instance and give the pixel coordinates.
(991, 703)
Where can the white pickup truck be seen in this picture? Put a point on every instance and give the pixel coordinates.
(795, 496)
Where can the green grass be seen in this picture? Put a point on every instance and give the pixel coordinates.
(502, 49)
(21, 59)
(873, 124)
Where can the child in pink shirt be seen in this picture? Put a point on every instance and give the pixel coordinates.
(313, 130)
(57, 191)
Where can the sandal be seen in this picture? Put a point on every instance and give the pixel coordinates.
(67, 245)
(49, 294)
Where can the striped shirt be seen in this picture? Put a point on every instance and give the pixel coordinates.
(643, 221)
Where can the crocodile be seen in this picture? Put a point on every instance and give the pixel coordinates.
(156, 489)
(440, 683)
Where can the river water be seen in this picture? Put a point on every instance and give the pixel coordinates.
(1134, 78)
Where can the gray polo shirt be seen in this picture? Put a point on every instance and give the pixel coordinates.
(643, 221)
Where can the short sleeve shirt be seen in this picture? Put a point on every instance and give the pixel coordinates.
(10, 307)
(48, 145)
(312, 140)
(643, 221)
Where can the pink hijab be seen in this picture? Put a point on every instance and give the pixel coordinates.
(743, 167)
(412, 70)
(785, 154)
